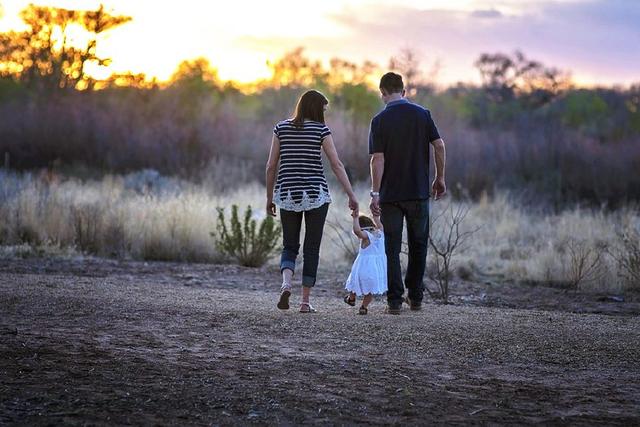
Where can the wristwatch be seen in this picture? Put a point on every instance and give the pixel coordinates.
(374, 194)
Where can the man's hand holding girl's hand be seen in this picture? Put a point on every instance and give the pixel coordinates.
(375, 205)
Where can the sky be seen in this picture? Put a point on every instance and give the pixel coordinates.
(598, 41)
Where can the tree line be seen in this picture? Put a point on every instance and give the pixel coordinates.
(525, 127)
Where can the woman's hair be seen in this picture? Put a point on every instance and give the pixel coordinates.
(366, 222)
(310, 106)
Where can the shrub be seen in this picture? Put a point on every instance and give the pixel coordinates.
(627, 256)
(241, 241)
(86, 225)
(585, 262)
(448, 241)
(343, 238)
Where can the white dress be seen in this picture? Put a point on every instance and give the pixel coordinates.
(369, 272)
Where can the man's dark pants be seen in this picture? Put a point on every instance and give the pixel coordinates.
(416, 212)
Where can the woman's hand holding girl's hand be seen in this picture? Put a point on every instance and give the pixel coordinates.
(355, 213)
(353, 202)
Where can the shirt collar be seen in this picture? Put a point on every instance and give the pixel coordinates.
(397, 102)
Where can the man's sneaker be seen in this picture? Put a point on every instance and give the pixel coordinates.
(393, 309)
(414, 305)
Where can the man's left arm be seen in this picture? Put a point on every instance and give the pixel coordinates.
(439, 187)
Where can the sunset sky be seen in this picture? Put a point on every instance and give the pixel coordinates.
(597, 40)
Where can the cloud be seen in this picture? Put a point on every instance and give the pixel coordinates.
(486, 13)
(596, 39)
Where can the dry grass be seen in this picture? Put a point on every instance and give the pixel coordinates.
(143, 216)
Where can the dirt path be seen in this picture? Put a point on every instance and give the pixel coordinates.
(115, 343)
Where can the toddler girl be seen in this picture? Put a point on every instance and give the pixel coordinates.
(368, 275)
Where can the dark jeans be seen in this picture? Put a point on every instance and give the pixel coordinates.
(416, 212)
(313, 224)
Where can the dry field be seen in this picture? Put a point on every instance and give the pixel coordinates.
(144, 216)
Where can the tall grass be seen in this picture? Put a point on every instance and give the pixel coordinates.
(148, 217)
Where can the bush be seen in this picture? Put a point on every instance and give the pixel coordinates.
(241, 242)
(627, 256)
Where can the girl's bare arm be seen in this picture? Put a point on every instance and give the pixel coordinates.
(378, 223)
(356, 228)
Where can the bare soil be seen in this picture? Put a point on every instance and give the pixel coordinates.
(100, 342)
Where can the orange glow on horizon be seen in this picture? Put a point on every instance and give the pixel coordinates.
(240, 37)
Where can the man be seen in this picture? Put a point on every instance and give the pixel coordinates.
(398, 144)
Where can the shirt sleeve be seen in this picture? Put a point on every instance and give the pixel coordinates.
(376, 142)
(276, 130)
(325, 132)
(432, 130)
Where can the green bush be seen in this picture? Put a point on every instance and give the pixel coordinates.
(241, 242)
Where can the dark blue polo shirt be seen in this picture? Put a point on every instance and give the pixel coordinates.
(403, 131)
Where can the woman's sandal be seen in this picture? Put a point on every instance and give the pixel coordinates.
(285, 293)
(363, 310)
(309, 308)
(351, 302)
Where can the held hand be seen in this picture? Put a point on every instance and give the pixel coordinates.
(375, 205)
(355, 213)
(353, 203)
(438, 188)
(271, 208)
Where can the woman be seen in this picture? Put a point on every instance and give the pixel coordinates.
(301, 190)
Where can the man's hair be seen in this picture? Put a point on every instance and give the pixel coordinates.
(391, 83)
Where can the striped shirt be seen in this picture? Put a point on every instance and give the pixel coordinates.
(301, 184)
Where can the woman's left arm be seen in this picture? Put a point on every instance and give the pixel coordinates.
(270, 174)
(338, 169)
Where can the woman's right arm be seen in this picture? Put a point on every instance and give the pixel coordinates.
(272, 166)
(338, 169)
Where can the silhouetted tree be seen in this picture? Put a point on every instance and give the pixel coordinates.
(44, 56)
(197, 74)
(342, 71)
(416, 79)
(506, 77)
(295, 69)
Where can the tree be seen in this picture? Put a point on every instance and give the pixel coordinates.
(196, 73)
(346, 72)
(295, 69)
(44, 56)
(407, 63)
(506, 77)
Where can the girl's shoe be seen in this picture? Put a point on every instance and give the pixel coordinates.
(285, 293)
(305, 307)
(363, 310)
(348, 300)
